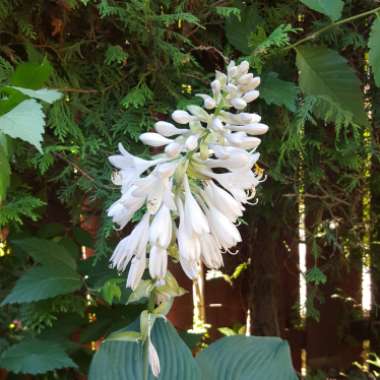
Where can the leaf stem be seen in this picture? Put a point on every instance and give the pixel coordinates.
(314, 35)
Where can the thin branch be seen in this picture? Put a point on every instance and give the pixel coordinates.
(314, 35)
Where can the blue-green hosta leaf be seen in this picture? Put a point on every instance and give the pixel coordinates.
(374, 50)
(326, 74)
(44, 282)
(5, 172)
(330, 8)
(45, 94)
(46, 252)
(124, 360)
(34, 356)
(26, 121)
(247, 358)
(279, 92)
(239, 29)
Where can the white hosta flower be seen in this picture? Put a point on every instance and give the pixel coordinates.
(182, 117)
(123, 209)
(158, 262)
(168, 129)
(223, 229)
(191, 142)
(136, 271)
(216, 86)
(131, 167)
(173, 149)
(224, 201)
(154, 360)
(154, 139)
(246, 78)
(243, 67)
(161, 228)
(240, 118)
(199, 113)
(250, 96)
(211, 251)
(208, 102)
(252, 129)
(238, 103)
(134, 245)
(195, 218)
(188, 240)
(196, 188)
(241, 140)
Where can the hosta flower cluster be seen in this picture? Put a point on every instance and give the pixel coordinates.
(193, 192)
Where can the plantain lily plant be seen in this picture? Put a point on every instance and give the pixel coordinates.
(190, 196)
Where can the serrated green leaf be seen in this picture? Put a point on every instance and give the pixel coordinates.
(44, 94)
(239, 29)
(124, 360)
(374, 50)
(43, 282)
(33, 356)
(239, 357)
(46, 252)
(26, 121)
(324, 73)
(279, 92)
(330, 8)
(31, 75)
(5, 173)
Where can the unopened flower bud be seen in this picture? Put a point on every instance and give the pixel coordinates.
(191, 142)
(238, 103)
(244, 79)
(181, 117)
(154, 139)
(250, 96)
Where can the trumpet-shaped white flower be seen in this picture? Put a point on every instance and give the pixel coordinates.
(161, 228)
(134, 245)
(158, 262)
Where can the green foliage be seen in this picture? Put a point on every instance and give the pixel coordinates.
(228, 11)
(115, 54)
(374, 50)
(20, 207)
(330, 8)
(238, 357)
(239, 28)
(15, 123)
(5, 172)
(138, 96)
(323, 72)
(279, 92)
(33, 356)
(43, 282)
(42, 250)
